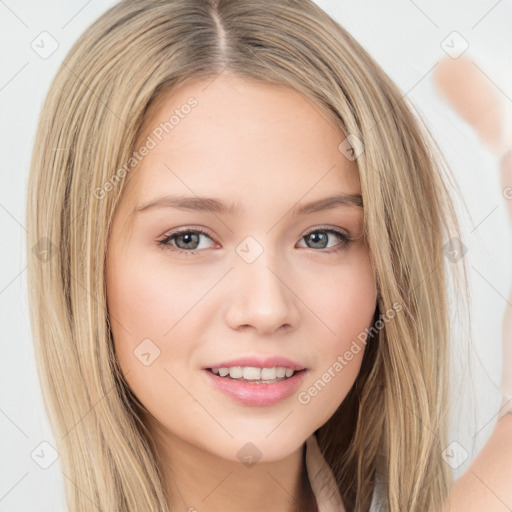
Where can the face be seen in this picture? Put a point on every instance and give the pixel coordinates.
(194, 286)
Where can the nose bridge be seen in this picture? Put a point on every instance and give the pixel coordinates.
(262, 296)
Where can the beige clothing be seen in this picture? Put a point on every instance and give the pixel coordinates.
(322, 481)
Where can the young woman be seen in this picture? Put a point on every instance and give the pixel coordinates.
(243, 304)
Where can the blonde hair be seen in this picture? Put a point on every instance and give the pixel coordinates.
(393, 423)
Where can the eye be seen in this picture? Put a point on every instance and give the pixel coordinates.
(321, 237)
(184, 241)
(187, 241)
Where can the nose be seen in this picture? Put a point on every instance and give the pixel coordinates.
(262, 297)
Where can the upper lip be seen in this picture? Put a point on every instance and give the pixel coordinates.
(259, 362)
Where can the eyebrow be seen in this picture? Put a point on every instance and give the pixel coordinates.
(209, 204)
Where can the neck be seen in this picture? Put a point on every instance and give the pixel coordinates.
(196, 479)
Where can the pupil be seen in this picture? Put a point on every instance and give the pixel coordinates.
(316, 236)
(190, 238)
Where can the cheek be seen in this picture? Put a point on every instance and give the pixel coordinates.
(345, 301)
(145, 302)
(146, 298)
(352, 308)
(345, 306)
(154, 308)
(142, 306)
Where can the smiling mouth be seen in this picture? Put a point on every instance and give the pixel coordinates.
(256, 387)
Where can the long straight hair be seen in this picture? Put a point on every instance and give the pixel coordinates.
(392, 426)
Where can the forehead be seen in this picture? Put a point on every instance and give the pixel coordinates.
(239, 139)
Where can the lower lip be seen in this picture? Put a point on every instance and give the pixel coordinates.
(254, 394)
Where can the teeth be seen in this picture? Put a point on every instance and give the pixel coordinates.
(236, 372)
(281, 372)
(249, 373)
(254, 373)
(268, 373)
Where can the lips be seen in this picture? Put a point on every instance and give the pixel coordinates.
(254, 394)
(251, 392)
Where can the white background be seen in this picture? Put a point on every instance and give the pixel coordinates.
(405, 38)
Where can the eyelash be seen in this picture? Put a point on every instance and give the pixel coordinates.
(343, 246)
